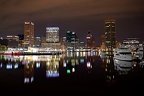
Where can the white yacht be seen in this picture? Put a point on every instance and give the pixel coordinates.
(123, 67)
(123, 53)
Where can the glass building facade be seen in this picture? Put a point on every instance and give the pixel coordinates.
(52, 34)
(110, 35)
(29, 34)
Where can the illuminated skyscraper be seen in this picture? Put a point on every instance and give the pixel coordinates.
(52, 34)
(28, 34)
(90, 43)
(52, 38)
(110, 35)
(72, 41)
(68, 36)
(71, 37)
(13, 41)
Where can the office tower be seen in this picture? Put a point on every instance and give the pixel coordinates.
(52, 38)
(21, 40)
(90, 43)
(71, 37)
(72, 40)
(110, 35)
(37, 42)
(68, 36)
(13, 41)
(28, 34)
(132, 43)
(52, 34)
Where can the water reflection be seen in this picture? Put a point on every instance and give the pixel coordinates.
(78, 68)
(72, 60)
(28, 72)
(90, 61)
(109, 70)
(8, 62)
(52, 67)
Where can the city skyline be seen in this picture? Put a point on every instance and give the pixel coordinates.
(78, 16)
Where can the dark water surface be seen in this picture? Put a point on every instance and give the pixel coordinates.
(70, 74)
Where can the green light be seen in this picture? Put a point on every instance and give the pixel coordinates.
(68, 71)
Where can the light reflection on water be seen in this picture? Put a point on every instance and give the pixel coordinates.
(72, 68)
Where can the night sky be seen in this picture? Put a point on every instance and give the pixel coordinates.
(74, 15)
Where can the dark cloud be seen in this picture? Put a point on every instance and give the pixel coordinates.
(76, 15)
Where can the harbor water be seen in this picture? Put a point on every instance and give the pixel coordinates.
(72, 73)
